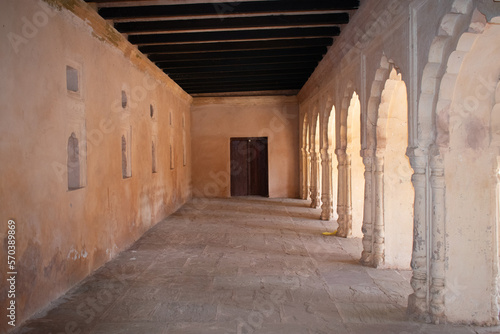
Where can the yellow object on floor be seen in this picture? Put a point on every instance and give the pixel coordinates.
(330, 233)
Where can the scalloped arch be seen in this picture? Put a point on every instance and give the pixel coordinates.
(452, 24)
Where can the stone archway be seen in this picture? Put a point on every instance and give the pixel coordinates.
(329, 163)
(317, 150)
(393, 224)
(388, 207)
(350, 187)
(355, 165)
(427, 301)
(315, 185)
(381, 76)
(465, 221)
(306, 158)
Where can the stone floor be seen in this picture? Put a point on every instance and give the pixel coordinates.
(249, 265)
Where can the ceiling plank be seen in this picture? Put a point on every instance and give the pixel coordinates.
(233, 23)
(239, 62)
(218, 69)
(241, 35)
(225, 8)
(285, 78)
(235, 46)
(232, 88)
(254, 85)
(320, 50)
(210, 76)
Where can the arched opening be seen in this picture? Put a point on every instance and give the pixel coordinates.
(73, 163)
(464, 182)
(393, 167)
(332, 142)
(355, 167)
(317, 147)
(306, 159)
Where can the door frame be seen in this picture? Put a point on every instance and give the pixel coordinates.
(264, 139)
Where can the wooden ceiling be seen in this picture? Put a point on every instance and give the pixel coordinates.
(224, 47)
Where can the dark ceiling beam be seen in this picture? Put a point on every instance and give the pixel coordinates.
(218, 69)
(233, 35)
(228, 8)
(239, 62)
(284, 78)
(235, 46)
(319, 50)
(233, 23)
(275, 83)
(230, 89)
(238, 75)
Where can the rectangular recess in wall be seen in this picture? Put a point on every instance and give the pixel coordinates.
(126, 150)
(172, 163)
(154, 160)
(72, 81)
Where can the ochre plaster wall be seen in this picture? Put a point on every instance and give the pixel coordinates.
(216, 120)
(62, 235)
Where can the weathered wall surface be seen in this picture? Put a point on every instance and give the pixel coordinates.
(470, 145)
(63, 235)
(216, 120)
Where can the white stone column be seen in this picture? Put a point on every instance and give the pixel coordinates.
(378, 227)
(417, 302)
(314, 180)
(348, 195)
(343, 230)
(305, 171)
(495, 181)
(326, 188)
(367, 229)
(314, 189)
(437, 269)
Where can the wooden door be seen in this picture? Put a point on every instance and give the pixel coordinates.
(249, 167)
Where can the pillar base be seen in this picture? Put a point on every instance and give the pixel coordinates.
(417, 309)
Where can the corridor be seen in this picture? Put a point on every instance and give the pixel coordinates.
(244, 265)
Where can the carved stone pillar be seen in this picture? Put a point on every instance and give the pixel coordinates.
(437, 269)
(308, 173)
(314, 179)
(348, 196)
(495, 181)
(367, 229)
(305, 172)
(326, 188)
(378, 226)
(343, 229)
(417, 302)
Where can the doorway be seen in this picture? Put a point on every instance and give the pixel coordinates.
(249, 167)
